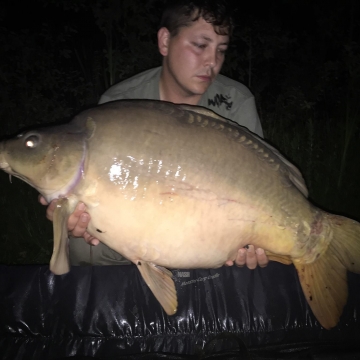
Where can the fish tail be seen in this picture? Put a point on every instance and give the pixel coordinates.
(345, 243)
(324, 281)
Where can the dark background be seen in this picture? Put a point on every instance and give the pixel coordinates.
(300, 59)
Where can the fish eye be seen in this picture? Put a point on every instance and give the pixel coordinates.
(32, 141)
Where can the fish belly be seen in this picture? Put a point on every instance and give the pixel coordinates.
(182, 231)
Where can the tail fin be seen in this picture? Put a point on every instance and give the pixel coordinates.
(324, 281)
(346, 241)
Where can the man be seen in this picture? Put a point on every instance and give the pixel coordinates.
(193, 39)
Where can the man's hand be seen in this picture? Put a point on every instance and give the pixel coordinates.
(77, 223)
(250, 257)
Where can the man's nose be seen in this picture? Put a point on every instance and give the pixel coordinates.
(211, 58)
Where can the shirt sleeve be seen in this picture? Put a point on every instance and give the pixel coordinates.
(141, 86)
(104, 99)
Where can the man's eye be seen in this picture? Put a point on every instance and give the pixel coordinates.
(200, 46)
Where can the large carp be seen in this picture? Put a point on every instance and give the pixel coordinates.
(176, 186)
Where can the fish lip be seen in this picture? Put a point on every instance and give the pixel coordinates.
(8, 169)
(11, 173)
(5, 166)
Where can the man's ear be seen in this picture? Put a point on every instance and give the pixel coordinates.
(163, 41)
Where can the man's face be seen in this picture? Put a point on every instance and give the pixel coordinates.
(194, 57)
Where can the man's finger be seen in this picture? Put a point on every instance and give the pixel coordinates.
(75, 216)
(251, 260)
(78, 224)
(78, 217)
(241, 257)
(91, 239)
(262, 259)
(42, 200)
(229, 263)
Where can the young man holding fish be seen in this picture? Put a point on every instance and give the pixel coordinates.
(193, 39)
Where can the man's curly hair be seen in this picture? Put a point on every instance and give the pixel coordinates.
(180, 13)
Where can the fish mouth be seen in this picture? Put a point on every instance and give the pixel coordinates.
(50, 194)
(7, 168)
(4, 165)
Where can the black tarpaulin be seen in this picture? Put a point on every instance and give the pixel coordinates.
(108, 312)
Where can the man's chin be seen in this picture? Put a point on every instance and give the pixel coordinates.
(199, 90)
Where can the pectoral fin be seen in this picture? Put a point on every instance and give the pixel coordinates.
(59, 263)
(161, 284)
